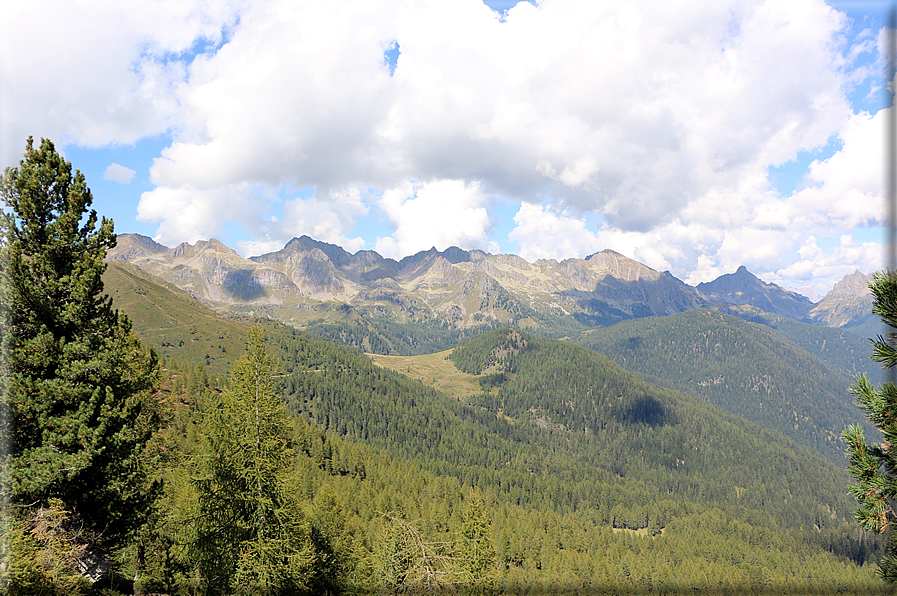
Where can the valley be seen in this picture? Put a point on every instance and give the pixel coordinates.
(580, 462)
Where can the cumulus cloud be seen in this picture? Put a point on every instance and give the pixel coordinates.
(95, 73)
(544, 234)
(328, 220)
(821, 269)
(631, 113)
(439, 213)
(187, 213)
(660, 117)
(845, 190)
(119, 173)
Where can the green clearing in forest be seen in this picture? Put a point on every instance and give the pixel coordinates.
(435, 370)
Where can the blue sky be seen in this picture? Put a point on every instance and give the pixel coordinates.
(691, 136)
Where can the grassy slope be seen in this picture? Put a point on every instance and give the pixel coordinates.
(435, 370)
(173, 322)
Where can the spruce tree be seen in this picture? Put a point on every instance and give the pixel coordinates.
(76, 382)
(875, 466)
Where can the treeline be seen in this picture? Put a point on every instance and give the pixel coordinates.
(572, 432)
(358, 500)
(379, 336)
(556, 523)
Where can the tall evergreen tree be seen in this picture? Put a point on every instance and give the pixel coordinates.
(76, 381)
(476, 548)
(875, 466)
(251, 535)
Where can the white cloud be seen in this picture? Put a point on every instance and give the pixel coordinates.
(439, 213)
(119, 173)
(662, 117)
(95, 73)
(188, 214)
(821, 270)
(632, 113)
(846, 189)
(326, 220)
(544, 234)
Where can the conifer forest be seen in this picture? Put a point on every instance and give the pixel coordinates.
(240, 455)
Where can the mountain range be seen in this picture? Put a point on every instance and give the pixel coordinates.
(559, 436)
(309, 283)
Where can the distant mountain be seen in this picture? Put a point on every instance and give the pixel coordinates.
(431, 300)
(848, 305)
(309, 280)
(579, 460)
(743, 287)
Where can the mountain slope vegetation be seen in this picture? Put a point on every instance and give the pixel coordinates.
(746, 368)
(580, 464)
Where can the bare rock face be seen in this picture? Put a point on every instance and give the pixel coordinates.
(848, 302)
(132, 247)
(453, 287)
(208, 269)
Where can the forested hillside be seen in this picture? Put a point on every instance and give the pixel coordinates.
(153, 447)
(841, 349)
(746, 368)
(558, 430)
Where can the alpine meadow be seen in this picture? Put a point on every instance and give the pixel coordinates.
(311, 421)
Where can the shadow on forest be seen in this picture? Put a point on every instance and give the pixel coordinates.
(646, 410)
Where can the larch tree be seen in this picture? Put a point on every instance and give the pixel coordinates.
(874, 467)
(251, 535)
(476, 546)
(76, 382)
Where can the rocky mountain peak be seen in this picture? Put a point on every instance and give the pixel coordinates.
(745, 288)
(855, 284)
(848, 303)
(305, 244)
(135, 246)
(620, 266)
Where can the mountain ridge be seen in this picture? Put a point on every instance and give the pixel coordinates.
(313, 283)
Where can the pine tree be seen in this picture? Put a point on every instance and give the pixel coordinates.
(251, 535)
(875, 466)
(76, 382)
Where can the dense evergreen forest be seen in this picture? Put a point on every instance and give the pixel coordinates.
(162, 449)
(748, 368)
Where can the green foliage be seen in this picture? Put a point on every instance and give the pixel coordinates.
(594, 482)
(475, 548)
(174, 323)
(842, 349)
(45, 554)
(77, 382)
(570, 432)
(874, 467)
(746, 368)
(251, 534)
(379, 336)
(493, 351)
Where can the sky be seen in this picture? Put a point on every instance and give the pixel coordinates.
(694, 136)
